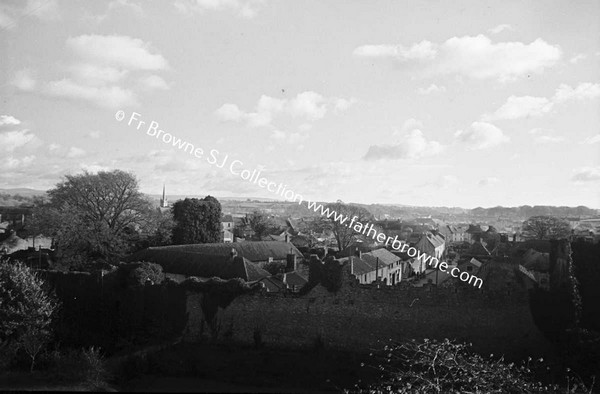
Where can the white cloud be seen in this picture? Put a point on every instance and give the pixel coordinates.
(24, 80)
(583, 91)
(96, 75)
(152, 82)
(472, 56)
(12, 163)
(245, 9)
(592, 140)
(75, 152)
(577, 58)
(420, 51)
(413, 145)
(117, 51)
(521, 107)
(94, 134)
(105, 96)
(11, 140)
(447, 181)
(54, 147)
(500, 28)
(527, 106)
(481, 135)
(103, 63)
(489, 181)
(309, 105)
(433, 88)
(8, 120)
(93, 168)
(586, 174)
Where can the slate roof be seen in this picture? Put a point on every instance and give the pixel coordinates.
(359, 266)
(385, 256)
(536, 261)
(201, 265)
(436, 240)
(251, 250)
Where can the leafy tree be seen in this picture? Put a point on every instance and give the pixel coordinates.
(343, 234)
(26, 310)
(546, 227)
(93, 216)
(261, 224)
(197, 221)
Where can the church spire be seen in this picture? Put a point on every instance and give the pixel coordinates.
(163, 200)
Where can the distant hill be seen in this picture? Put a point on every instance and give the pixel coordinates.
(23, 191)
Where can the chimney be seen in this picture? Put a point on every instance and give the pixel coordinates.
(233, 253)
(290, 262)
(351, 265)
(358, 253)
(287, 237)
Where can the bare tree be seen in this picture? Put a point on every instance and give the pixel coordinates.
(345, 235)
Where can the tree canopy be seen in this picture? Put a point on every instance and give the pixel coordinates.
(197, 221)
(93, 216)
(546, 227)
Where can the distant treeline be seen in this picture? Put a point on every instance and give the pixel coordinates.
(526, 211)
(15, 200)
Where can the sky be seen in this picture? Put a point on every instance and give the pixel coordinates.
(428, 103)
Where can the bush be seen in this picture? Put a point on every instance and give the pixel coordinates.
(81, 366)
(26, 310)
(449, 367)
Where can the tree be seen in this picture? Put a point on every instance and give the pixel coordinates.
(26, 310)
(261, 224)
(446, 366)
(343, 234)
(197, 221)
(93, 216)
(546, 227)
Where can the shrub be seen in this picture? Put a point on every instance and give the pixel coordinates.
(449, 367)
(26, 310)
(78, 365)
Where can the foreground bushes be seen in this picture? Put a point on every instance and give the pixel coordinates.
(449, 367)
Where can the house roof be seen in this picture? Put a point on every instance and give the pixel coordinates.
(201, 265)
(294, 278)
(474, 229)
(252, 250)
(478, 249)
(227, 218)
(436, 240)
(385, 256)
(536, 261)
(357, 265)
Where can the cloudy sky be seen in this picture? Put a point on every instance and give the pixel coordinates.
(461, 103)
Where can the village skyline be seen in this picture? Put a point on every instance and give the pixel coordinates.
(432, 105)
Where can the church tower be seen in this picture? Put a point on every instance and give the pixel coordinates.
(163, 200)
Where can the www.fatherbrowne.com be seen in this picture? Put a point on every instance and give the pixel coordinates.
(236, 168)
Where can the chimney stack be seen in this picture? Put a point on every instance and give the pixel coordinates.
(291, 264)
(233, 253)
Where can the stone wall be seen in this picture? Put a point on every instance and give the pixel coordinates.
(362, 318)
